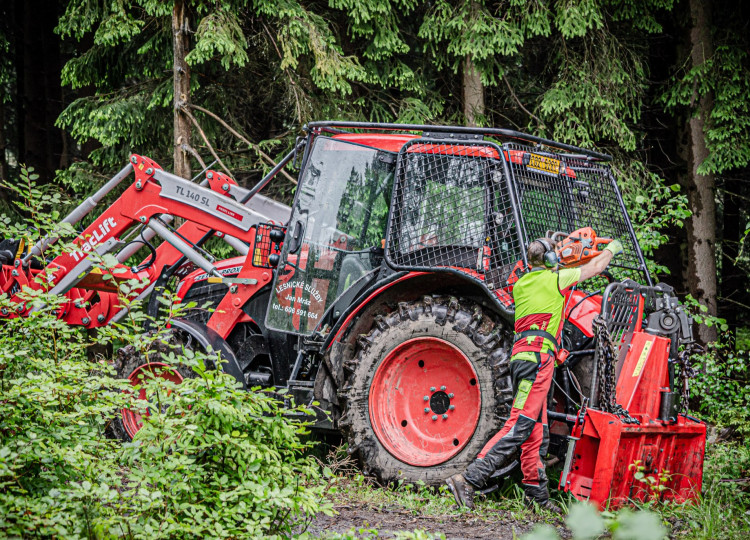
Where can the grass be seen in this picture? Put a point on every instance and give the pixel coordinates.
(723, 512)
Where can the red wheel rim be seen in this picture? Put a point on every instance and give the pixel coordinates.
(425, 401)
(131, 420)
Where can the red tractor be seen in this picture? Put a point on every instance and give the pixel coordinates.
(385, 295)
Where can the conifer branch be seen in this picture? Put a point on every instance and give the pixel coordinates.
(255, 147)
(205, 139)
(515, 98)
(193, 152)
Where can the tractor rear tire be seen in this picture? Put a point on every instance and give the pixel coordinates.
(428, 386)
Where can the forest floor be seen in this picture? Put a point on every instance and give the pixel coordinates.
(366, 510)
(361, 519)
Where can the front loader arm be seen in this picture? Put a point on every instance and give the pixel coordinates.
(151, 202)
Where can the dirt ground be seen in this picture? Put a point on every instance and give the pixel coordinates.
(392, 519)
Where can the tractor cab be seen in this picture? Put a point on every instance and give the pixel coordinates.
(336, 231)
(452, 200)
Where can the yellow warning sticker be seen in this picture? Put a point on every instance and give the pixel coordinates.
(642, 358)
(544, 164)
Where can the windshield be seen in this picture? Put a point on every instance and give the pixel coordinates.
(340, 213)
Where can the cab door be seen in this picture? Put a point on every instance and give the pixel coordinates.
(339, 214)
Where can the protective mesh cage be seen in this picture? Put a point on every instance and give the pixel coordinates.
(452, 209)
(562, 193)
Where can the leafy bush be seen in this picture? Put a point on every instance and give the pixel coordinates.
(653, 206)
(54, 407)
(211, 459)
(721, 387)
(214, 460)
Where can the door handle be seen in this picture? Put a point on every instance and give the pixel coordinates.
(296, 240)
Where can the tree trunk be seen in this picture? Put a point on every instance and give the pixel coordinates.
(700, 188)
(181, 72)
(473, 92)
(38, 87)
(3, 146)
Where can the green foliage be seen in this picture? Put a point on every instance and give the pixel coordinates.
(722, 386)
(652, 206)
(130, 68)
(725, 77)
(211, 459)
(597, 93)
(585, 522)
(219, 34)
(722, 512)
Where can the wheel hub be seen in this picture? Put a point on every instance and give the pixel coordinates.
(439, 402)
(425, 401)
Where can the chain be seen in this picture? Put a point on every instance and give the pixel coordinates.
(606, 354)
(687, 371)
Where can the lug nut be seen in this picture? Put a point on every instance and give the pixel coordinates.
(100, 318)
(85, 321)
(133, 159)
(14, 273)
(210, 175)
(4, 311)
(434, 416)
(225, 187)
(149, 171)
(426, 398)
(138, 185)
(432, 388)
(451, 407)
(442, 388)
(445, 417)
(450, 396)
(426, 409)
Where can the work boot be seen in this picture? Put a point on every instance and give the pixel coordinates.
(545, 504)
(462, 490)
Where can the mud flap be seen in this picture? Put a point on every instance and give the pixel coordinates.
(210, 340)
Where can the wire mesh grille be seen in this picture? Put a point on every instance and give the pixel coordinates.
(563, 193)
(452, 209)
(263, 246)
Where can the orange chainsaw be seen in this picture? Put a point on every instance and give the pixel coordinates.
(578, 247)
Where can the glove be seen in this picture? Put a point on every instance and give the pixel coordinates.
(615, 247)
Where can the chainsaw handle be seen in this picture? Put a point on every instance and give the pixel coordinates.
(601, 242)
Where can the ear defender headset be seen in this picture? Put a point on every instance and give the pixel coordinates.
(550, 256)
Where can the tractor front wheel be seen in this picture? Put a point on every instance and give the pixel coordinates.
(428, 387)
(138, 366)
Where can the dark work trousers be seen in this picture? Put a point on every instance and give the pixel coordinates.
(526, 428)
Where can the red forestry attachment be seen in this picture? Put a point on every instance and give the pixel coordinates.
(632, 444)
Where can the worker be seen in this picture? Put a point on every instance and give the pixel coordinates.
(540, 300)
